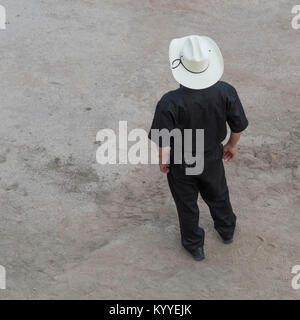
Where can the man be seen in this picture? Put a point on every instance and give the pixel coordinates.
(201, 102)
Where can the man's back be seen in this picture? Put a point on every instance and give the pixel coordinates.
(207, 109)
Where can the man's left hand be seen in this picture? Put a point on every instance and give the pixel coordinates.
(164, 168)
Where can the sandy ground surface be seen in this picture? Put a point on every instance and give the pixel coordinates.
(71, 228)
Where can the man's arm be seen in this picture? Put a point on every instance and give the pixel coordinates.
(229, 148)
(164, 154)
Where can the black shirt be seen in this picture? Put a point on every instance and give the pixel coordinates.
(207, 109)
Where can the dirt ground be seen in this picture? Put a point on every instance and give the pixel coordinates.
(73, 229)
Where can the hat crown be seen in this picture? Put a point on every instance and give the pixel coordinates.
(194, 54)
(196, 61)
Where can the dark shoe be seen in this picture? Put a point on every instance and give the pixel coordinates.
(198, 254)
(227, 241)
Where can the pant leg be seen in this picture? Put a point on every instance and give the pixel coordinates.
(185, 194)
(214, 191)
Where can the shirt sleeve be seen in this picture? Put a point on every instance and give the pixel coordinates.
(164, 118)
(235, 114)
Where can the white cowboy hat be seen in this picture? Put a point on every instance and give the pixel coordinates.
(196, 61)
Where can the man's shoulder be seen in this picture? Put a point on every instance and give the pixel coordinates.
(169, 99)
(171, 95)
(225, 87)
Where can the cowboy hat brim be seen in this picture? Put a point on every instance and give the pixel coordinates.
(202, 80)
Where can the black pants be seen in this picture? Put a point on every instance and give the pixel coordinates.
(213, 188)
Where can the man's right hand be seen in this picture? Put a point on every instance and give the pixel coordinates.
(229, 148)
(228, 152)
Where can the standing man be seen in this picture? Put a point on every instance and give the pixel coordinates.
(201, 102)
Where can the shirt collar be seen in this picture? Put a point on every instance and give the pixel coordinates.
(188, 90)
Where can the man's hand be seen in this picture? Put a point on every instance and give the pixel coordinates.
(164, 154)
(164, 168)
(228, 152)
(229, 148)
